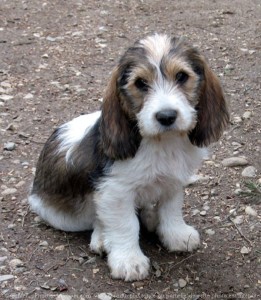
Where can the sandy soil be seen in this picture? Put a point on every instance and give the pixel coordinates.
(55, 59)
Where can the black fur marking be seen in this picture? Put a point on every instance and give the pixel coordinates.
(86, 165)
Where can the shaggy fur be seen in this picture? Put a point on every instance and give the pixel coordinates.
(162, 107)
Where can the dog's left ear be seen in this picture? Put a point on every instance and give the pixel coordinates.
(120, 135)
(212, 111)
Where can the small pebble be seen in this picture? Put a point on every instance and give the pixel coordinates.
(95, 271)
(6, 97)
(237, 120)
(203, 213)
(11, 226)
(16, 263)
(247, 115)
(11, 127)
(245, 250)
(210, 231)
(214, 192)
(195, 212)
(37, 219)
(234, 162)
(6, 84)
(60, 248)
(19, 184)
(2, 260)
(237, 191)
(9, 146)
(238, 220)
(104, 296)
(28, 96)
(182, 283)
(197, 178)
(50, 39)
(9, 191)
(229, 67)
(5, 277)
(77, 33)
(206, 207)
(250, 211)
(249, 172)
(43, 244)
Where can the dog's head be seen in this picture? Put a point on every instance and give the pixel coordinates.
(161, 85)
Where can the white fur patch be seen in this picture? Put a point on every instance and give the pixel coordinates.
(73, 131)
(165, 97)
(81, 221)
(157, 46)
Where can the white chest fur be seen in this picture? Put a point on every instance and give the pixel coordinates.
(158, 166)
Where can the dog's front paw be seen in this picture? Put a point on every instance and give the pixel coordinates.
(128, 266)
(96, 244)
(181, 237)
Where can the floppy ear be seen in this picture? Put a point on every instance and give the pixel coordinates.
(212, 111)
(119, 132)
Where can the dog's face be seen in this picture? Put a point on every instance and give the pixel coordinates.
(161, 85)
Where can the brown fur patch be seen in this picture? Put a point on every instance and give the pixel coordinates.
(119, 131)
(212, 111)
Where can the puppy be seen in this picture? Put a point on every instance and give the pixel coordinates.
(162, 107)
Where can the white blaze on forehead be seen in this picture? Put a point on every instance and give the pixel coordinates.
(157, 46)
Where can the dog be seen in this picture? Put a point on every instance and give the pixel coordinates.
(162, 107)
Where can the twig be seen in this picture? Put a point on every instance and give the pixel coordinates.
(180, 262)
(56, 265)
(188, 243)
(26, 213)
(37, 142)
(83, 251)
(33, 253)
(240, 232)
(68, 242)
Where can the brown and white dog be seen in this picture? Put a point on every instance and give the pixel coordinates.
(162, 107)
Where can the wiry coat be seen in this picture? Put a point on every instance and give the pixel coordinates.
(162, 106)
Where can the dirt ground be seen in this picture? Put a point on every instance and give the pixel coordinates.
(55, 59)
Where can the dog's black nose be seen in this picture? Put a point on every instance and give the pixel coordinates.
(166, 117)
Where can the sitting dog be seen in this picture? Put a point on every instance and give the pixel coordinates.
(162, 107)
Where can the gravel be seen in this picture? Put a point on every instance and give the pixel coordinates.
(46, 82)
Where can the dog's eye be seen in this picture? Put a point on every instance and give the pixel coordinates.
(141, 84)
(181, 77)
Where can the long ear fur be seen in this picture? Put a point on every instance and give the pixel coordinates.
(212, 111)
(119, 132)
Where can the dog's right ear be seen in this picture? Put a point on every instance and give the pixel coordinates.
(120, 135)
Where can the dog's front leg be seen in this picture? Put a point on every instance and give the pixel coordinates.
(116, 212)
(174, 233)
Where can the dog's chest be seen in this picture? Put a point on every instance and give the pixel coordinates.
(158, 169)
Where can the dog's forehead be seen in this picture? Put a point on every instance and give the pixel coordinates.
(157, 46)
(154, 49)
